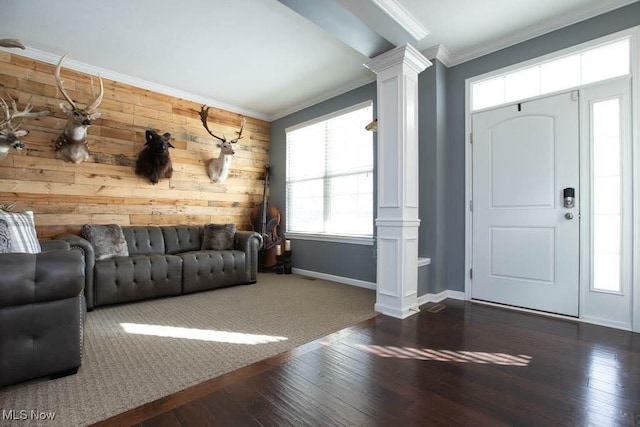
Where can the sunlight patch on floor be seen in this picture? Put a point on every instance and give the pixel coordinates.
(199, 334)
(447, 355)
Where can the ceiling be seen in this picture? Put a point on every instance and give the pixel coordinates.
(263, 58)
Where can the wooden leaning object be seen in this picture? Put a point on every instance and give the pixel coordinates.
(265, 219)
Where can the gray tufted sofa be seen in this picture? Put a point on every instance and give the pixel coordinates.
(42, 313)
(165, 261)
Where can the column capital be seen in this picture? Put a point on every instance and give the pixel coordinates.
(407, 55)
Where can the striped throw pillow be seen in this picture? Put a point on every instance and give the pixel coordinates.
(5, 237)
(23, 231)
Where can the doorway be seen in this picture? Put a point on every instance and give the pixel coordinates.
(552, 199)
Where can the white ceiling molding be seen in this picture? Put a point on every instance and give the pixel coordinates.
(407, 55)
(133, 81)
(438, 52)
(399, 14)
(325, 96)
(532, 32)
(387, 18)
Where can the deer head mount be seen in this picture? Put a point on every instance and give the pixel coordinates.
(71, 145)
(218, 168)
(154, 162)
(10, 132)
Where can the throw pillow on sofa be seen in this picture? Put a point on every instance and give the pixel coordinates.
(218, 236)
(5, 237)
(107, 240)
(22, 230)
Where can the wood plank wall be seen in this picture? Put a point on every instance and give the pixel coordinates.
(106, 190)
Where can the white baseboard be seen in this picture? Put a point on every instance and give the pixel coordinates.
(371, 285)
(423, 299)
(394, 312)
(332, 278)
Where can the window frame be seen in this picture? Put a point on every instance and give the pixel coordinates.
(331, 237)
(544, 59)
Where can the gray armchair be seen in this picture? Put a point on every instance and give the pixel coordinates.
(42, 312)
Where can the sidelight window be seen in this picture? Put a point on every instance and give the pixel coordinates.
(607, 206)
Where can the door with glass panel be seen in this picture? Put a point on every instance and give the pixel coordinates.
(526, 217)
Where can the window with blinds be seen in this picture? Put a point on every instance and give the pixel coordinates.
(330, 175)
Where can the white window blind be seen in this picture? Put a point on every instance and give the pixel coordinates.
(330, 175)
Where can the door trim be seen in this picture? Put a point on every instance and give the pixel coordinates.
(635, 179)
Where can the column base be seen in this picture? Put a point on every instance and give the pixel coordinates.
(395, 312)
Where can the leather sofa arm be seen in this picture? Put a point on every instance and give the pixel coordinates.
(54, 245)
(83, 245)
(250, 243)
(38, 278)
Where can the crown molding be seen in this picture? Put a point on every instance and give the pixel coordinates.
(533, 32)
(325, 96)
(403, 17)
(438, 52)
(406, 54)
(133, 81)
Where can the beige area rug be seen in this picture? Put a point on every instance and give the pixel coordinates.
(177, 342)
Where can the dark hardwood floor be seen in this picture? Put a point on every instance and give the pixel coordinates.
(458, 364)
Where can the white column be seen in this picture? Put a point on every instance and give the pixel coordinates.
(397, 219)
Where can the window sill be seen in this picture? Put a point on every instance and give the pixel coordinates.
(353, 240)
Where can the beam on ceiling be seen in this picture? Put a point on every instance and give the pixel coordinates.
(389, 19)
(342, 23)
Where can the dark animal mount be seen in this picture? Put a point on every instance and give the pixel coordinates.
(154, 162)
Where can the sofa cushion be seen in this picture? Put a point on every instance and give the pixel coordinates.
(218, 236)
(5, 237)
(144, 240)
(22, 230)
(107, 240)
(182, 238)
(204, 270)
(137, 277)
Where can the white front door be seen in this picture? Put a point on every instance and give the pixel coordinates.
(525, 241)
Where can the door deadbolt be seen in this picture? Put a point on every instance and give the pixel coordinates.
(569, 197)
(568, 215)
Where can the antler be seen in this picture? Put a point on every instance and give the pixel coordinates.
(204, 115)
(240, 131)
(9, 116)
(59, 83)
(93, 105)
(11, 43)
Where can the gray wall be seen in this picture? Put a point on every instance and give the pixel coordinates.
(432, 179)
(581, 32)
(339, 259)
